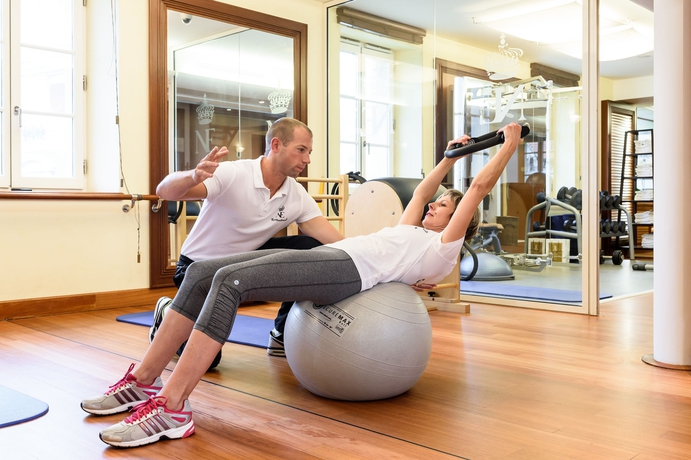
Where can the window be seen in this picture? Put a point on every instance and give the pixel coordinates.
(366, 110)
(42, 95)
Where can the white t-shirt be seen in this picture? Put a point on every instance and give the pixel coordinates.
(238, 215)
(404, 253)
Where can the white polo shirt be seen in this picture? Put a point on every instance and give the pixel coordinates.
(405, 253)
(238, 215)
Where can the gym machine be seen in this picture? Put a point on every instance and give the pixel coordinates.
(547, 231)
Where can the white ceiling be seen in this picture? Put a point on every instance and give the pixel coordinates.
(455, 21)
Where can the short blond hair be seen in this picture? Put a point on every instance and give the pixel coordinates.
(284, 130)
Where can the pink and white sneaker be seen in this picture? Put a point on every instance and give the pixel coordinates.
(123, 396)
(150, 422)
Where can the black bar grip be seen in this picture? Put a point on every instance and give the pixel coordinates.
(475, 144)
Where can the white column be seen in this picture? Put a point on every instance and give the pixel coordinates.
(672, 163)
(591, 107)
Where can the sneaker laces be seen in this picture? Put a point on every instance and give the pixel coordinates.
(143, 409)
(125, 380)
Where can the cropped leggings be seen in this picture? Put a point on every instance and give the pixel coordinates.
(213, 289)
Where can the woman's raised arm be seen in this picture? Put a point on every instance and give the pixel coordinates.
(482, 183)
(424, 192)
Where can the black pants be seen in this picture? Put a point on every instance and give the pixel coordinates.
(283, 242)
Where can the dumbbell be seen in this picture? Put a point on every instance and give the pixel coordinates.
(608, 201)
(540, 197)
(613, 201)
(571, 225)
(603, 199)
(537, 226)
(605, 226)
(609, 204)
(572, 196)
(642, 267)
(617, 257)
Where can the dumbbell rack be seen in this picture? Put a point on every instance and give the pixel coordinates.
(619, 234)
(548, 232)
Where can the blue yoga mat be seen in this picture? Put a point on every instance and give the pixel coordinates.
(16, 407)
(247, 330)
(506, 289)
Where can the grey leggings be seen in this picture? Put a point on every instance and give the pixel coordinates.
(213, 289)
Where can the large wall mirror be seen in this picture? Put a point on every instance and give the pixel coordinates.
(405, 77)
(220, 75)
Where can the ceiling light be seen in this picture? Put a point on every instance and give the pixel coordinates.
(559, 25)
(616, 43)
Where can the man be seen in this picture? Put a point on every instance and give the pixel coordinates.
(246, 202)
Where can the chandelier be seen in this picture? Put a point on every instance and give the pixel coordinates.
(503, 63)
(279, 101)
(205, 112)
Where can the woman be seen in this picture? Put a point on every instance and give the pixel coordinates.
(415, 252)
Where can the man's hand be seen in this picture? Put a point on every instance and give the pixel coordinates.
(207, 166)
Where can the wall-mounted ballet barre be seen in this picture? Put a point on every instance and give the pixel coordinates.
(131, 197)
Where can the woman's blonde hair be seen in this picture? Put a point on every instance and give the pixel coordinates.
(474, 224)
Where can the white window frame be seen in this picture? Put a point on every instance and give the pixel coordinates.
(10, 171)
(362, 144)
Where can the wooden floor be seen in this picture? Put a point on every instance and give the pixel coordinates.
(502, 383)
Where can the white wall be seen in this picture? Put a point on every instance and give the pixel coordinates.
(53, 248)
(56, 248)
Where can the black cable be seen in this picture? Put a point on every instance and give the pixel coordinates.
(472, 254)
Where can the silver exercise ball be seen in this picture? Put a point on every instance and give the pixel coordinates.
(372, 345)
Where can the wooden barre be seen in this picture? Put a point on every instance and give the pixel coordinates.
(325, 197)
(28, 195)
(318, 179)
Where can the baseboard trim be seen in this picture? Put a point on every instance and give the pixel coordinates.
(46, 306)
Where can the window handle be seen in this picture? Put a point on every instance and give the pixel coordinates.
(18, 112)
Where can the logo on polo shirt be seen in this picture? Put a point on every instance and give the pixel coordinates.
(280, 215)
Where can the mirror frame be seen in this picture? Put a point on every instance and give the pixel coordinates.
(444, 67)
(160, 273)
